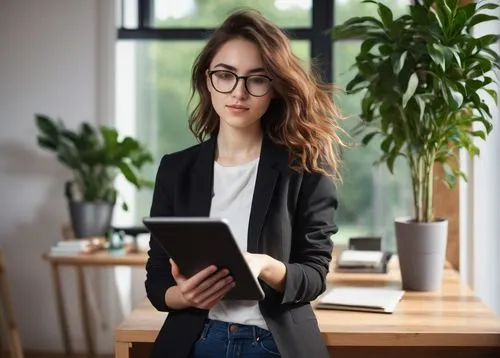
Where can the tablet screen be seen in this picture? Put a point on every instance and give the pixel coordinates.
(195, 243)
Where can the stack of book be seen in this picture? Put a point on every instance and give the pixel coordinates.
(79, 246)
(361, 261)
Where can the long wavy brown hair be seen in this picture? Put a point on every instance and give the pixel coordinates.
(303, 117)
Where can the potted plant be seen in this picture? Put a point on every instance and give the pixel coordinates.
(95, 156)
(424, 76)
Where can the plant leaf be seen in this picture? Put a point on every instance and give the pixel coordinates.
(437, 55)
(367, 45)
(487, 40)
(48, 127)
(110, 137)
(385, 14)
(457, 57)
(390, 163)
(479, 18)
(487, 125)
(400, 62)
(449, 176)
(46, 143)
(456, 95)
(421, 105)
(488, 6)
(493, 94)
(411, 88)
(386, 144)
(479, 134)
(129, 174)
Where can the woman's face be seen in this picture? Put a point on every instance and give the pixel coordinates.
(243, 106)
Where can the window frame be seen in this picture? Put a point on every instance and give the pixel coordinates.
(321, 45)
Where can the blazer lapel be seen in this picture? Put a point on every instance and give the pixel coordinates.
(267, 174)
(202, 181)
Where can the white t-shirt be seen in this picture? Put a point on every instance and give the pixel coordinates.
(232, 200)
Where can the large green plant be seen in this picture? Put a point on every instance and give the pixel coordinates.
(95, 156)
(423, 75)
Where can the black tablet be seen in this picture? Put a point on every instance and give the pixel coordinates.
(195, 243)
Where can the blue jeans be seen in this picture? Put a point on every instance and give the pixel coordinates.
(229, 340)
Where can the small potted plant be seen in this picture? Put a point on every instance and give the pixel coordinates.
(95, 156)
(424, 78)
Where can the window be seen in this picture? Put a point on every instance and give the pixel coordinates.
(370, 196)
(191, 13)
(157, 43)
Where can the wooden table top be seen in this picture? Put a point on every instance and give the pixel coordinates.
(99, 258)
(453, 316)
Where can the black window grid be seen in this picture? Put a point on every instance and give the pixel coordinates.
(321, 46)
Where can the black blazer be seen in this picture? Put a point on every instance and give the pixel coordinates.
(291, 219)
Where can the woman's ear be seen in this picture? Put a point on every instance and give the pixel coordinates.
(208, 83)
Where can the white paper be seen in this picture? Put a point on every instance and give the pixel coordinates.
(383, 299)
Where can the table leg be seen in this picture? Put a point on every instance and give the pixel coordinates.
(122, 350)
(63, 320)
(1, 330)
(84, 307)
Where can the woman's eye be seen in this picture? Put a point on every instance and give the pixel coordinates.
(224, 75)
(258, 80)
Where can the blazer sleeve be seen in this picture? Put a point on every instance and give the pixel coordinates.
(312, 244)
(158, 268)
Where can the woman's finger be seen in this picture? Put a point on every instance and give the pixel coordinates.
(195, 280)
(213, 289)
(212, 300)
(176, 273)
(210, 281)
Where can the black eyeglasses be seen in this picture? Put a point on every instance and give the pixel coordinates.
(226, 81)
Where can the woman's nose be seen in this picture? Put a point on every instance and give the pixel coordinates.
(240, 90)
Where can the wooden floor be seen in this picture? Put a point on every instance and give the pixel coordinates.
(52, 355)
(48, 355)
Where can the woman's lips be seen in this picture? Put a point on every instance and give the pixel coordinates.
(237, 108)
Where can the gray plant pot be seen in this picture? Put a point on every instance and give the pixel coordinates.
(90, 219)
(421, 250)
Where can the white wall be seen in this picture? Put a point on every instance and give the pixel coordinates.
(480, 204)
(56, 58)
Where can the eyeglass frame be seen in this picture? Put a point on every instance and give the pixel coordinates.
(238, 78)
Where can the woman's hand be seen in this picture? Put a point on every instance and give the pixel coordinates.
(268, 269)
(204, 289)
(257, 262)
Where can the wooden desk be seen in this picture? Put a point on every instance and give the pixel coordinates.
(450, 323)
(100, 258)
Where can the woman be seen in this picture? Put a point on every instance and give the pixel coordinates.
(268, 166)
